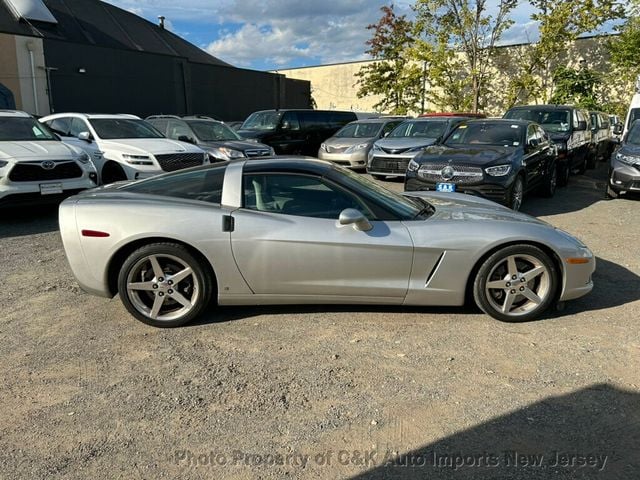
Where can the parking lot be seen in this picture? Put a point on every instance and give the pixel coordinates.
(323, 392)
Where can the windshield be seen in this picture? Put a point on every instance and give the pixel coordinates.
(359, 130)
(212, 131)
(555, 121)
(262, 121)
(633, 138)
(419, 129)
(15, 129)
(501, 134)
(403, 207)
(116, 128)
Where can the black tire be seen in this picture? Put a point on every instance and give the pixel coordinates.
(112, 172)
(610, 193)
(563, 174)
(551, 182)
(591, 161)
(196, 287)
(515, 196)
(382, 178)
(521, 311)
(583, 165)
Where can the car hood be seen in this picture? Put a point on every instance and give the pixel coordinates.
(346, 142)
(405, 142)
(468, 155)
(40, 150)
(559, 137)
(457, 206)
(627, 149)
(236, 145)
(147, 145)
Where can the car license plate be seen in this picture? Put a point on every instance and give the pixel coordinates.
(446, 187)
(50, 188)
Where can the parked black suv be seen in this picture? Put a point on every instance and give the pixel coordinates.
(297, 132)
(500, 160)
(569, 129)
(213, 136)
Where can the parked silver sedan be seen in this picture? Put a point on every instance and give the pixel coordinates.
(300, 231)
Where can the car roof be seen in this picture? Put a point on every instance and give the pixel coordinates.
(94, 115)
(14, 113)
(291, 164)
(545, 107)
(506, 121)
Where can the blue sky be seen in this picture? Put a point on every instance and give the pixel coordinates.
(276, 34)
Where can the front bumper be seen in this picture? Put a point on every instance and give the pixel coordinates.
(29, 195)
(624, 178)
(578, 278)
(495, 189)
(356, 159)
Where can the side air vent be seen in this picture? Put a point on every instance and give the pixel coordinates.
(31, 10)
(434, 269)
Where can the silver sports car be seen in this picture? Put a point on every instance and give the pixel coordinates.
(300, 231)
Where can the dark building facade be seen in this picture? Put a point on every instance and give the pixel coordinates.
(100, 58)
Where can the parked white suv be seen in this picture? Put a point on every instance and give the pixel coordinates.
(35, 166)
(124, 147)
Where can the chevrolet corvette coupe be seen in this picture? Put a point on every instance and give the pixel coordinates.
(302, 231)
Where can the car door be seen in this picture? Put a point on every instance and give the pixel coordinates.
(287, 241)
(533, 160)
(289, 135)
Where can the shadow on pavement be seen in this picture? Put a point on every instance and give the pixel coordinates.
(28, 221)
(590, 433)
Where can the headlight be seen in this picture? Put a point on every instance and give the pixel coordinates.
(413, 166)
(354, 148)
(224, 153)
(83, 158)
(498, 171)
(628, 159)
(323, 147)
(137, 159)
(376, 148)
(561, 146)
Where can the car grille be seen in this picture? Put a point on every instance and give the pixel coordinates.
(432, 172)
(35, 172)
(394, 151)
(259, 152)
(383, 165)
(177, 161)
(331, 149)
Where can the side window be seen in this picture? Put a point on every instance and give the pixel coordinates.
(290, 121)
(160, 125)
(300, 195)
(60, 126)
(204, 185)
(389, 127)
(575, 119)
(177, 129)
(77, 127)
(532, 134)
(604, 122)
(542, 135)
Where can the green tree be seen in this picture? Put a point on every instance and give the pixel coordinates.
(624, 47)
(392, 75)
(457, 39)
(576, 86)
(560, 23)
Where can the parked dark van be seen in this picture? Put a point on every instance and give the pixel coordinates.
(601, 139)
(294, 132)
(568, 127)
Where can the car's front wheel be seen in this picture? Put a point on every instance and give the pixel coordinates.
(164, 285)
(112, 172)
(516, 194)
(516, 284)
(550, 182)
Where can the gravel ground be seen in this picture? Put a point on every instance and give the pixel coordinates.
(322, 392)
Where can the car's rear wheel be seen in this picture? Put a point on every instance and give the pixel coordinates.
(516, 284)
(164, 285)
(551, 182)
(563, 174)
(379, 177)
(516, 194)
(112, 172)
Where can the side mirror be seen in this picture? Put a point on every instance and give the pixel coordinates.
(86, 136)
(533, 143)
(582, 125)
(351, 216)
(617, 129)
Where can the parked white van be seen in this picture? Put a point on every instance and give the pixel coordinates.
(634, 109)
(35, 166)
(124, 147)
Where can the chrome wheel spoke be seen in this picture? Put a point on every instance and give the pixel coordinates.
(155, 265)
(512, 268)
(181, 275)
(178, 297)
(157, 305)
(497, 284)
(533, 273)
(531, 295)
(141, 286)
(508, 302)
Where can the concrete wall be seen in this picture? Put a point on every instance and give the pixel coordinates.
(16, 73)
(335, 86)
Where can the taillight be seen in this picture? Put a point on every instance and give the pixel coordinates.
(94, 233)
